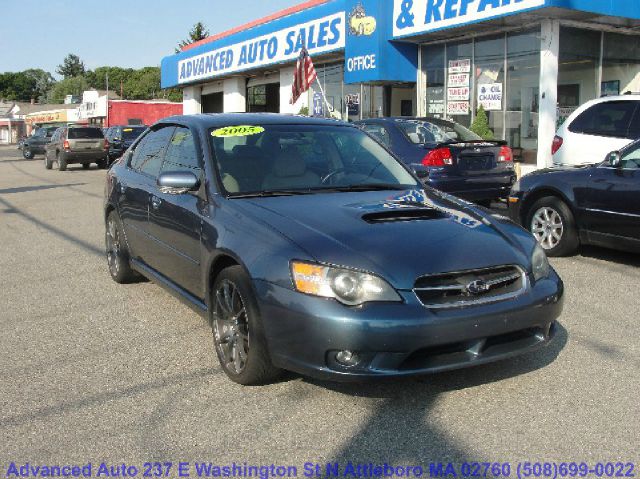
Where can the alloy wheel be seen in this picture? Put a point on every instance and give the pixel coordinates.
(113, 247)
(231, 327)
(547, 227)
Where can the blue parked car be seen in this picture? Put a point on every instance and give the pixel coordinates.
(309, 247)
(448, 156)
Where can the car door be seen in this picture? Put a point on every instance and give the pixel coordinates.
(136, 187)
(613, 197)
(175, 220)
(50, 148)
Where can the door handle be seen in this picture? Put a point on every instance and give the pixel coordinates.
(155, 202)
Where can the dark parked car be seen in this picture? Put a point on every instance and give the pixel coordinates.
(36, 143)
(122, 137)
(309, 247)
(75, 144)
(448, 156)
(598, 204)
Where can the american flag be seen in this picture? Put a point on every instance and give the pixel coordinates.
(303, 77)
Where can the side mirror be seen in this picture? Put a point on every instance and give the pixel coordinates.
(614, 159)
(178, 182)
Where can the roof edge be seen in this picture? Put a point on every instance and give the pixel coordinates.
(255, 23)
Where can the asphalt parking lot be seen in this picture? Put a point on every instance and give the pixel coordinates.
(95, 371)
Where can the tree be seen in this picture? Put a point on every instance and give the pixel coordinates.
(69, 86)
(197, 33)
(480, 125)
(16, 86)
(43, 83)
(71, 67)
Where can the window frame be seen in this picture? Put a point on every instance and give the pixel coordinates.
(626, 135)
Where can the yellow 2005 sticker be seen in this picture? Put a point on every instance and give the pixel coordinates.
(241, 130)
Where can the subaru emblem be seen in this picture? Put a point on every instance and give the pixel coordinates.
(477, 287)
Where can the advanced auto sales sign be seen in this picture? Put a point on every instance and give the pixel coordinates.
(418, 16)
(319, 36)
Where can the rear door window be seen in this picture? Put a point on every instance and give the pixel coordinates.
(379, 132)
(148, 156)
(612, 119)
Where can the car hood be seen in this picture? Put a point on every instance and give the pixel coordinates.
(362, 230)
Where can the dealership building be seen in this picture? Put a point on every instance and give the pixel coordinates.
(528, 63)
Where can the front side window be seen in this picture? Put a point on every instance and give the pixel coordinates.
(306, 159)
(631, 158)
(611, 119)
(148, 156)
(181, 153)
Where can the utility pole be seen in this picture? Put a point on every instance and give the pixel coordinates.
(107, 99)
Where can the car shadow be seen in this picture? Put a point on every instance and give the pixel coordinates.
(610, 255)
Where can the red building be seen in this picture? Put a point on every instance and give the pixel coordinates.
(131, 112)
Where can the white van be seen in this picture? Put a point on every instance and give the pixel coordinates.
(596, 129)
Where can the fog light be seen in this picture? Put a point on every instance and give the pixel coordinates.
(347, 358)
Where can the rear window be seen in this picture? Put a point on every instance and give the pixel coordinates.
(420, 131)
(84, 133)
(611, 119)
(131, 133)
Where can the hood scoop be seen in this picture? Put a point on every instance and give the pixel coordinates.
(404, 214)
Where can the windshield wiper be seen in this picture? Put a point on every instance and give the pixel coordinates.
(270, 193)
(369, 187)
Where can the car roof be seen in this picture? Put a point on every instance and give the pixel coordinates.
(212, 120)
(393, 119)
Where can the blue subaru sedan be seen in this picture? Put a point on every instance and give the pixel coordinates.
(309, 247)
(447, 156)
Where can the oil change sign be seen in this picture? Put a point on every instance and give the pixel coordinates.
(490, 96)
(417, 16)
(319, 36)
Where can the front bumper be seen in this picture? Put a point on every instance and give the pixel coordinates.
(304, 333)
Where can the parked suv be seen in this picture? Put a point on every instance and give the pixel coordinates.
(121, 137)
(84, 145)
(597, 128)
(35, 144)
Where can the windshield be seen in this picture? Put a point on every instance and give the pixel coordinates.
(420, 131)
(85, 133)
(301, 159)
(131, 133)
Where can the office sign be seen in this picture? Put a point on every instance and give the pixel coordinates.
(490, 96)
(459, 79)
(460, 66)
(458, 94)
(458, 108)
(418, 16)
(319, 36)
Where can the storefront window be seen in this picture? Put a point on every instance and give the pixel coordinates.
(578, 67)
(489, 81)
(434, 69)
(459, 80)
(347, 102)
(522, 94)
(620, 65)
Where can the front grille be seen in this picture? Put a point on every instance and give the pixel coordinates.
(468, 288)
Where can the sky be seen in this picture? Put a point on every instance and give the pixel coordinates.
(128, 34)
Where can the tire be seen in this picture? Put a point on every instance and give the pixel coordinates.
(232, 297)
(117, 252)
(62, 162)
(27, 153)
(48, 164)
(102, 164)
(86, 166)
(552, 224)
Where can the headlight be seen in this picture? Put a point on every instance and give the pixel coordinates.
(347, 286)
(539, 263)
